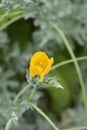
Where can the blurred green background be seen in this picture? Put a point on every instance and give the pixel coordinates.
(24, 29)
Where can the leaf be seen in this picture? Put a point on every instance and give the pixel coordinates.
(53, 82)
(6, 79)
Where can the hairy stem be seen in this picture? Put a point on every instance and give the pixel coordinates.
(32, 94)
(44, 115)
(21, 92)
(8, 125)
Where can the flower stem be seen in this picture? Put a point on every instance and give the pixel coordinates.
(44, 115)
(8, 125)
(32, 94)
(33, 91)
(67, 44)
(67, 62)
(21, 92)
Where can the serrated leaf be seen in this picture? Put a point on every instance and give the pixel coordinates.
(53, 82)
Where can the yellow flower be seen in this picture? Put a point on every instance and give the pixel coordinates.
(40, 64)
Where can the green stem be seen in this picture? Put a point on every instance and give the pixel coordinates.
(11, 21)
(33, 91)
(32, 94)
(67, 62)
(21, 92)
(78, 128)
(75, 61)
(11, 14)
(4, 15)
(44, 115)
(8, 125)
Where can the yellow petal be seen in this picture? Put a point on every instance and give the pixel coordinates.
(36, 56)
(40, 65)
(31, 72)
(41, 78)
(47, 69)
(49, 65)
(42, 58)
(35, 70)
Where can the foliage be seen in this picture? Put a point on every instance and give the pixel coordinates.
(67, 14)
(32, 32)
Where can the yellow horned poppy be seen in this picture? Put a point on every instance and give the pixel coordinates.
(40, 64)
